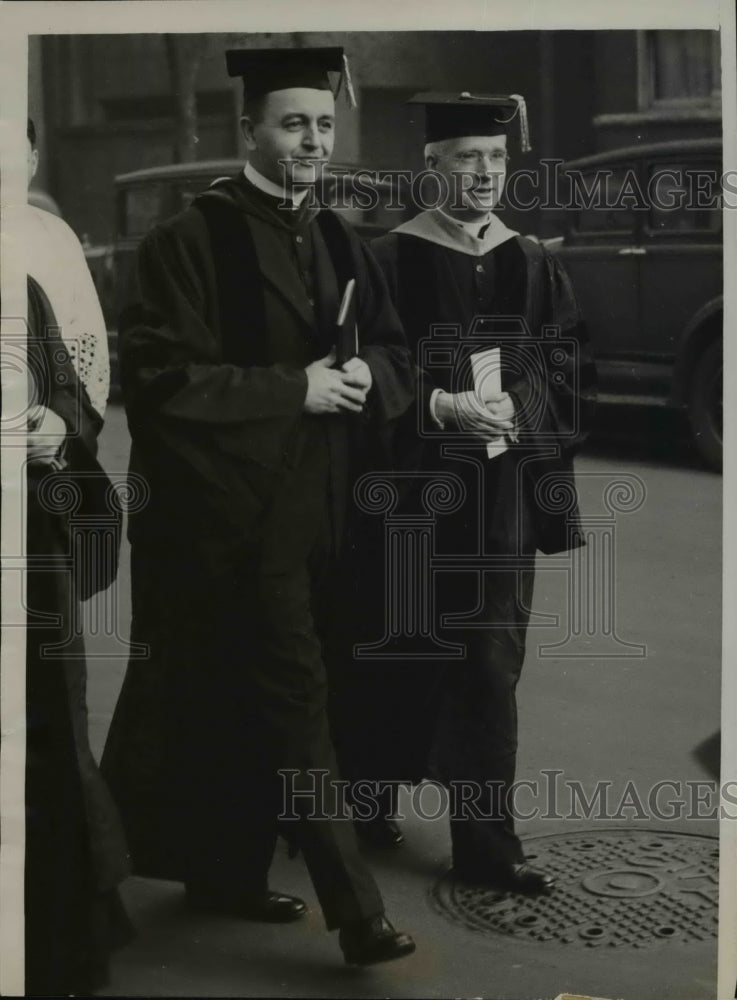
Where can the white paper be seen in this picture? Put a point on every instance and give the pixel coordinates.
(487, 382)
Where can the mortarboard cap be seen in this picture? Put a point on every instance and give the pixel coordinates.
(453, 116)
(264, 70)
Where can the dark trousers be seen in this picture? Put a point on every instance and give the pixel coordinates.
(250, 710)
(475, 747)
(475, 744)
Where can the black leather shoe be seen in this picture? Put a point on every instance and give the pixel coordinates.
(371, 941)
(267, 907)
(521, 877)
(379, 832)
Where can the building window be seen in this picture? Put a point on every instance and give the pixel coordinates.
(679, 69)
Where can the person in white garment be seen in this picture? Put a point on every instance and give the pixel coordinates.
(55, 259)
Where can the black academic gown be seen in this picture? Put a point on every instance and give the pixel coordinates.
(247, 494)
(457, 721)
(75, 849)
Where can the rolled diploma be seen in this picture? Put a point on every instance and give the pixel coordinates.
(486, 367)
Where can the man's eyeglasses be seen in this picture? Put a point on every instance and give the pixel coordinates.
(498, 158)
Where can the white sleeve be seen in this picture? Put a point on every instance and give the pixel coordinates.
(85, 332)
(433, 408)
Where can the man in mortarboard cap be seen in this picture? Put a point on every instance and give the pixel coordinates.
(501, 436)
(246, 430)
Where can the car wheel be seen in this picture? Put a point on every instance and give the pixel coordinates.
(705, 405)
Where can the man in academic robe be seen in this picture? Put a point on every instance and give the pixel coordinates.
(505, 424)
(245, 430)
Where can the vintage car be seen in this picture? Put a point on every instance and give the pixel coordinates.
(643, 248)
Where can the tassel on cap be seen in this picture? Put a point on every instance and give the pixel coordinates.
(265, 70)
(524, 126)
(452, 116)
(346, 75)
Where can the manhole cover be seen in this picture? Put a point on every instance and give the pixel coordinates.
(615, 888)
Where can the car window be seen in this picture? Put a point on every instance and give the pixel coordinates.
(145, 205)
(142, 208)
(606, 200)
(684, 198)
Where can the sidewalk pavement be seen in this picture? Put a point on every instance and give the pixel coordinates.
(591, 718)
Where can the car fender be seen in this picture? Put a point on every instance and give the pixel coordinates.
(703, 327)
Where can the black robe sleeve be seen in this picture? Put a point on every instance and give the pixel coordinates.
(170, 353)
(386, 252)
(568, 376)
(383, 345)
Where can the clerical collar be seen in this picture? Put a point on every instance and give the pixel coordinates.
(275, 190)
(472, 228)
